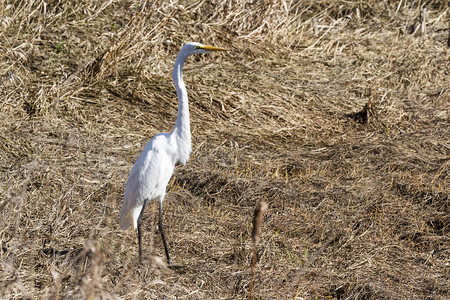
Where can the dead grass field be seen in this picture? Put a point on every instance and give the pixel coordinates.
(336, 113)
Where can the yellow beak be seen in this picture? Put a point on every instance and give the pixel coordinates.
(212, 48)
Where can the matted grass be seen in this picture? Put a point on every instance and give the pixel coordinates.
(333, 112)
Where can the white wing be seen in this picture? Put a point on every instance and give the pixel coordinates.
(148, 178)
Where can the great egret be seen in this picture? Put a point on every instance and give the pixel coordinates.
(154, 167)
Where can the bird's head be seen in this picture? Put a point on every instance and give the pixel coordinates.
(194, 48)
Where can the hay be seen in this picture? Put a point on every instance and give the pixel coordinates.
(334, 112)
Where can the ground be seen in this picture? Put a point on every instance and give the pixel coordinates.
(335, 113)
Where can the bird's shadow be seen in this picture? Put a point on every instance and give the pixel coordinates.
(180, 269)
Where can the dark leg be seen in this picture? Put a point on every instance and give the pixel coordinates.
(139, 231)
(162, 233)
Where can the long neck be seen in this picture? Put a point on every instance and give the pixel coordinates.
(182, 128)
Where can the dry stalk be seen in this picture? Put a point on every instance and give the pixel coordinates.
(256, 236)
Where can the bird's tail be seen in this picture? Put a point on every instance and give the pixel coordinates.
(129, 217)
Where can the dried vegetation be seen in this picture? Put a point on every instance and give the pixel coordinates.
(333, 112)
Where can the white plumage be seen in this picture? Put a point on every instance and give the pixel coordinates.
(154, 167)
(148, 178)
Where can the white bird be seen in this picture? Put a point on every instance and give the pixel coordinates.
(154, 167)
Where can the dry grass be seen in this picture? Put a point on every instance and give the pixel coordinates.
(333, 112)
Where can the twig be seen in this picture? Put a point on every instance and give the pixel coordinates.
(256, 236)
